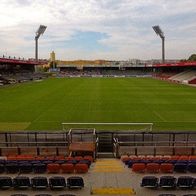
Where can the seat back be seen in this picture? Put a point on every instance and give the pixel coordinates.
(138, 167)
(152, 167)
(166, 167)
(53, 168)
(81, 168)
(67, 168)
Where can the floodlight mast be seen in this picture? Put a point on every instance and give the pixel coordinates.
(39, 32)
(159, 32)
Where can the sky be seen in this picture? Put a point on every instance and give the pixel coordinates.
(98, 29)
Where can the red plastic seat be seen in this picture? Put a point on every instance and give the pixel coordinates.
(81, 168)
(152, 167)
(53, 168)
(89, 158)
(184, 158)
(69, 158)
(67, 168)
(138, 167)
(166, 168)
(78, 158)
(192, 157)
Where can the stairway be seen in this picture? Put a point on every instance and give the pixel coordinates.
(105, 147)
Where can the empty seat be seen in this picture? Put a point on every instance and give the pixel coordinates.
(180, 167)
(185, 182)
(53, 168)
(75, 182)
(57, 182)
(78, 158)
(166, 167)
(25, 168)
(67, 195)
(81, 168)
(2, 168)
(39, 182)
(149, 182)
(167, 182)
(192, 167)
(21, 182)
(194, 183)
(138, 167)
(39, 168)
(87, 162)
(12, 168)
(152, 167)
(190, 195)
(67, 168)
(5, 182)
(89, 158)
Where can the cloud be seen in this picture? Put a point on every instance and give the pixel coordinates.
(126, 25)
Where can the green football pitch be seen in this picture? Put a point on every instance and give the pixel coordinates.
(45, 105)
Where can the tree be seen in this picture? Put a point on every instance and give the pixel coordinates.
(192, 57)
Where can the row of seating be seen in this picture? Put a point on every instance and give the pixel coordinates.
(163, 167)
(42, 195)
(45, 158)
(166, 194)
(69, 167)
(169, 182)
(57, 182)
(159, 158)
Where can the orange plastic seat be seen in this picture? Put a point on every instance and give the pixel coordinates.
(174, 157)
(138, 167)
(166, 168)
(152, 167)
(69, 158)
(78, 158)
(89, 158)
(60, 157)
(192, 157)
(81, 168)
(123, 157)
(53, 168)
(184, 158)
(67, 168)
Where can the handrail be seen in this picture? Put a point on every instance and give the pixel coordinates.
(156, 142)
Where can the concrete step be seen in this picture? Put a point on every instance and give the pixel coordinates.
(105, 155)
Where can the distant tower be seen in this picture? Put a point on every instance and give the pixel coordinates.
(52, 59)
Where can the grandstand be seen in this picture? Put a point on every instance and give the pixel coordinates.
(93, 158)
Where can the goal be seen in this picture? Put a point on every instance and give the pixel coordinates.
(108, 126)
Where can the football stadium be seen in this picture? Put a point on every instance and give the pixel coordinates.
(95, 127)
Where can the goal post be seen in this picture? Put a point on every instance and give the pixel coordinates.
(108, 126)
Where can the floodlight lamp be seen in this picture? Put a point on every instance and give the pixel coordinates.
(158, 31)
(40, 30)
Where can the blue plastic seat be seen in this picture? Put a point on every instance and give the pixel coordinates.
(180, 167)
(185, 182)
(167, 182)
(75, 182)
(12, 168)
(57, 182)
(149, 182)
(21, 182)
(5, 182)
(192, 167)
(39, 182)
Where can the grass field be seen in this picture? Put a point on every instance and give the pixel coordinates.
(45, 105)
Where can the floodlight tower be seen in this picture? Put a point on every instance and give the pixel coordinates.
(39, 32)
(159, 32)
